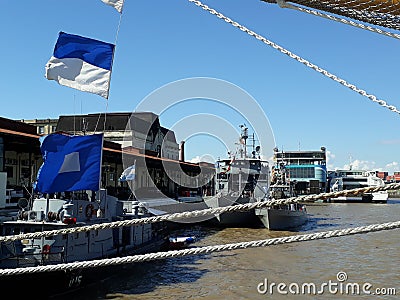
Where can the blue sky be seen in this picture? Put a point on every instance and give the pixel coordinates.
(160, 42)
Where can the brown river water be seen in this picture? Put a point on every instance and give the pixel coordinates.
(350, 267)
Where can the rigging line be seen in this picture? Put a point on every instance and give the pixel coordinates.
(119, 26)
(74, 115)
(98, 120)
(371, 97)
(284, 4)
(112, 62)
(105, 116)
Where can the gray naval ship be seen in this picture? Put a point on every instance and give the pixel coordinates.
(244, 177)
(241, 178)
(282, 216)
(72, 209)
(54, 214)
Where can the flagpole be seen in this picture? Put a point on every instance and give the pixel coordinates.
(113, 54)
(134, 182)
(101, 160)
(47, 205)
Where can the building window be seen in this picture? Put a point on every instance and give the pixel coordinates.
(302, 172)
(25, 173)
(41, 129)
(10, 171)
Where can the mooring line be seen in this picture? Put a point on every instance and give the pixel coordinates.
(201, 250)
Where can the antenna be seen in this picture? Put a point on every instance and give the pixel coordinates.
(350, 161)
(243, 138)
(84, 126)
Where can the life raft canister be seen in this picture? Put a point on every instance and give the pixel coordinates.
(46, 249)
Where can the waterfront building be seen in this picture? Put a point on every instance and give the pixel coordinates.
(20, 156)
(395, 178)
(307, 169)
(141, 130)
(43, 126)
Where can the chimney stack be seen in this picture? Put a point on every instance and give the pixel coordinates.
(182, 151)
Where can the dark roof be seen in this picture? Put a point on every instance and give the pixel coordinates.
(102, 122)
(143, 122)
(169, 135)
(149, 117)
(18, 126)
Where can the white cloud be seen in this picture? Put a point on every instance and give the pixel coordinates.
(195, 160)
(361, 165)
(390, 142)
(393, 164)
(392, 167)
(330, 158)
(204, 158)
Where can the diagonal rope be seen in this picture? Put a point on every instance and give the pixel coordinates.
(284, 4)
(201, 213)
(343, 82)
(201, 250)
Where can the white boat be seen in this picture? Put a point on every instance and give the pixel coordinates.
(181, 242)
(282, 216)
(341, 180)
(72, 209)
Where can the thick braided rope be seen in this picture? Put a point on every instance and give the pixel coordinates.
(284, 4)
(201, 213)
(381, 14)
(201, 250)
(296, 57)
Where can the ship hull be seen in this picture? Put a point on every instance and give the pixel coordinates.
(55, 283)
(245, 218)
(377, 197)
(281, 219)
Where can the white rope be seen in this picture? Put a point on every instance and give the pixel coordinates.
(284, 4)
(371, 97)
(201, 213)
(384, 13)
(201, 250)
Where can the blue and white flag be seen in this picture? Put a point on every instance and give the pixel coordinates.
(117, 4)
(70, 163)
(128, 174)
(81, 63)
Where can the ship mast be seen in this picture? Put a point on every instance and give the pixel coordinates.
(243, 140)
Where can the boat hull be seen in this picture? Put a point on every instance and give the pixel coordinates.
(377, 197)
(281, 219)
(245, 218)
(55, 283)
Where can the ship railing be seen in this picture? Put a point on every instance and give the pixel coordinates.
(32, 260)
